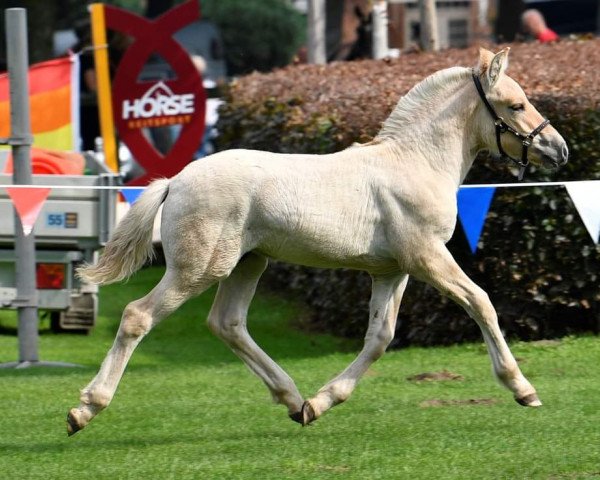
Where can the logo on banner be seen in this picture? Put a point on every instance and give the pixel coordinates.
(159, 106)
(141, 104)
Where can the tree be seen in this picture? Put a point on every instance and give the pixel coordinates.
(316, 32)
(41, 17)
(257, 34)
(380, 29)
(44, 18)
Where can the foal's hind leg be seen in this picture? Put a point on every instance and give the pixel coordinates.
(383, 310)
(227, 320)
(138, 319)
(439, 269)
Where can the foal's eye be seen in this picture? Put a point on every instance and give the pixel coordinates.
(517, 107)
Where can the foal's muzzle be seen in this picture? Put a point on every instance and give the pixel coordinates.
(564, 155)
(553, 154)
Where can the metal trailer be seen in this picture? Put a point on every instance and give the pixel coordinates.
(72, 226)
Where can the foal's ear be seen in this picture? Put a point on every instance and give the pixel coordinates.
(497, 66)
(485, 58)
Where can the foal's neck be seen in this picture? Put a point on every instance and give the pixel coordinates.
(433, 122)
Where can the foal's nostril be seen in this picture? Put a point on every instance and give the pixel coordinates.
(564, 152)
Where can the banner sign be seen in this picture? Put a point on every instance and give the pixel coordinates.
(148, 104)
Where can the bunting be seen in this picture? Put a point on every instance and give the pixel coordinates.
(28, 203)
(473, 203)
(473, 206)
(586, 197)
(54, 102)
(131, 194)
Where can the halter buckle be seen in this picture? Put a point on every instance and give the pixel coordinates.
(527, 141)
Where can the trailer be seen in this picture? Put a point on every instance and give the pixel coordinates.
(73, 225)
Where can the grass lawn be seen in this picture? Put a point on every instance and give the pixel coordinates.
(188, 408)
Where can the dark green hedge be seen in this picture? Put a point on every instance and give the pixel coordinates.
(535, 257)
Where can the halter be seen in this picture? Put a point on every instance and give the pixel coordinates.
(502, 127)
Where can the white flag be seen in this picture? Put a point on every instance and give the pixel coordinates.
(586, 197)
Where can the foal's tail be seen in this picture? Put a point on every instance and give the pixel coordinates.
(131, 243)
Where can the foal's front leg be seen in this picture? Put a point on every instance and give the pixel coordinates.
(438, 268)
(383, 310)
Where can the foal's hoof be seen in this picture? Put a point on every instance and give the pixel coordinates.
(530, 400)
(308, 413)
(72, 424)
(296, 417)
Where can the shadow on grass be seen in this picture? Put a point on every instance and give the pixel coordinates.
(183, 338)
(81, 442)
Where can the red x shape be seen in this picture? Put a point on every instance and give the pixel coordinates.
(156, 36)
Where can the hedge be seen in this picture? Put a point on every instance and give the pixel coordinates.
(535, 257)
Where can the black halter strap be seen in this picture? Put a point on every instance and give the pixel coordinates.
(502, 127)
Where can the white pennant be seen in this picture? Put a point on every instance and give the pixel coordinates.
(586, 197)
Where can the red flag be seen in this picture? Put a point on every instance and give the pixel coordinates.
(28, 203)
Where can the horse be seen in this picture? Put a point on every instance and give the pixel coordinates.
(387, 207)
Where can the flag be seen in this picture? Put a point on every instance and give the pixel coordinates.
(473, 206)
(131, 194)
(586, 197)
(28, 203)
(54, 103)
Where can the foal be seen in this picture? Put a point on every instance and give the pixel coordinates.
(387, 207)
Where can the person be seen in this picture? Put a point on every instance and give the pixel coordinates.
(534, 24)
(363, 46)
(89, 124)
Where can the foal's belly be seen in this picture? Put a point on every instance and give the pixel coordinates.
(324, 251)
(367, 263)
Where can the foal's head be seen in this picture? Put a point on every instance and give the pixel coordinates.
(544, 146)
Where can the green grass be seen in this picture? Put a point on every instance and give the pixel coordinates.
(187, 408)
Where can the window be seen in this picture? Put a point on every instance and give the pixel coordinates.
(458, 33)
(415, 32)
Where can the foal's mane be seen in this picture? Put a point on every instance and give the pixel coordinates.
(417, 102)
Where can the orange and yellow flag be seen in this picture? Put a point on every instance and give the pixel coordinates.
(54, 103)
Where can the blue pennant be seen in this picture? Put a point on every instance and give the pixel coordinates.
(131, 194)
(473, 206)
